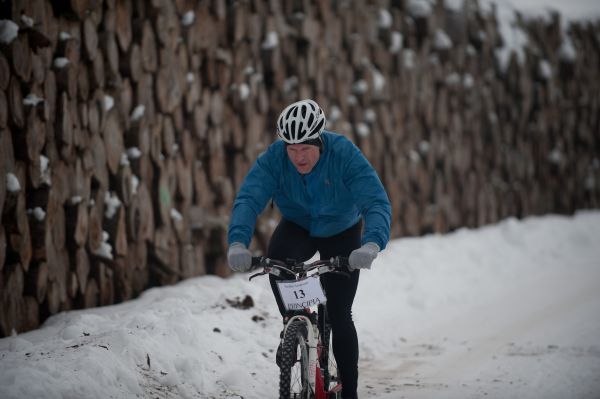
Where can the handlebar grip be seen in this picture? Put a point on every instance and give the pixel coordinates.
(343, 261)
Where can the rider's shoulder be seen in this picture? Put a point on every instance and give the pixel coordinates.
(275, 150)
(338, 143)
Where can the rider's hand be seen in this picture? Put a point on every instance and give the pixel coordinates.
(239, 258)
(362, 257)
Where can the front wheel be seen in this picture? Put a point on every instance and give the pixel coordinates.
(293, 378)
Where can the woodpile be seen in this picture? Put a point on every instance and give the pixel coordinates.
(127, 126)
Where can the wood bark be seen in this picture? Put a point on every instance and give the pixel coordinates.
(11, 299)
(113, 142)
(21, 57)
(15, 103)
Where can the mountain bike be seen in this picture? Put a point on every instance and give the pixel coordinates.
(306, 369)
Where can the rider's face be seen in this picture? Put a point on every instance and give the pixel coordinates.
(303, 156)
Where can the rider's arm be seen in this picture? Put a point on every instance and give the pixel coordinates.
(370, 197)
(256, 190)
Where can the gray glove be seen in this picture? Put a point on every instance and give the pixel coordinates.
(239, 258)
(362, 257)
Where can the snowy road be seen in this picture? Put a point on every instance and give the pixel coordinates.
(537, 337)
(525, 353)
(505, 311)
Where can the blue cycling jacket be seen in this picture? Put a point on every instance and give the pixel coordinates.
(339, 190)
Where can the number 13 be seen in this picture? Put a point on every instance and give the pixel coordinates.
(299, 294)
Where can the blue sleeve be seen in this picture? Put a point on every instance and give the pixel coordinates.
(254, 194)
(370, 197)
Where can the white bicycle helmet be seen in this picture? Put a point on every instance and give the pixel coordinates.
(300, 122)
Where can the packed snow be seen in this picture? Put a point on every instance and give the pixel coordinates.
(32, 100)
(8, 31)
(61, 62)
(137, 113)
(504, 311)
(188, 18)
(12, 183)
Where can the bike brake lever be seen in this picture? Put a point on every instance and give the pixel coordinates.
(265, 271)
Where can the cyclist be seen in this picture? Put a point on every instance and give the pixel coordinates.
(325, 190)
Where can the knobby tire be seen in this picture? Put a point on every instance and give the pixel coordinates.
(293, 378)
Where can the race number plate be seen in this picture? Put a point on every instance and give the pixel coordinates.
(301, 294)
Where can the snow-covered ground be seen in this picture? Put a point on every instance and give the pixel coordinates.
(505, 311)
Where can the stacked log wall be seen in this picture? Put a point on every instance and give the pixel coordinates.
(126, 128)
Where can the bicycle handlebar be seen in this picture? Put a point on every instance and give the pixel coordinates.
(338, 265)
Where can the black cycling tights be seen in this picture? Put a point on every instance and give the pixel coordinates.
(294, 242)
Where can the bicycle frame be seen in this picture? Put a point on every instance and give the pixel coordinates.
(316, 381)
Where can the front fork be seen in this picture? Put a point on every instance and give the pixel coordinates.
(314, 372)
(315, 375)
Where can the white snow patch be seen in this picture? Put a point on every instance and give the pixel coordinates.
(384, 18)
(360, 86)
(8, 31)
(567, 50)
(271, 40)
(61, 62)
(111, 204)
(105, 249)
(362, 129)
(32, 100)
(468, 81)
(27, 21)
(38, 213)
(378, 80)
(419, 8)
(109, 102)
(188, 18)
(62, 36)
(45, 170)
(370, 115)
(555, 156)
(545, 69)
(396, 42)
(124, 160)
(414, 156)
(408, 58)
(441, 40)
(244, 91)
(135, 183)
(12, 183)
(134, 153)
(137, 113)
(175, 215)
(515, 39)
(335, 113)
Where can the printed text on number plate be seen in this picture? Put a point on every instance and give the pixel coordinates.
(300, 294)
